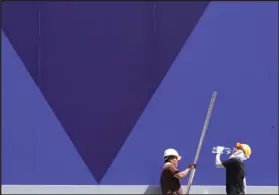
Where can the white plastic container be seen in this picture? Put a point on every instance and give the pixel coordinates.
(225, 151)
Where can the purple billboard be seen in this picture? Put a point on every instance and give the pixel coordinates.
(92, 90)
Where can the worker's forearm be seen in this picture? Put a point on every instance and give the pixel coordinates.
(183, 174)
(218, 162)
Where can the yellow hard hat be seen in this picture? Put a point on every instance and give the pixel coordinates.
(246, 149)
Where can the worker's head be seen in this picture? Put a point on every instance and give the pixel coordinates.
(172, 156)
(241, 151)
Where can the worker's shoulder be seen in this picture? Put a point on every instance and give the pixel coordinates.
(168, 165)
(235, 162)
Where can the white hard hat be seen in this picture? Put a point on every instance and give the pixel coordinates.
(171, 152)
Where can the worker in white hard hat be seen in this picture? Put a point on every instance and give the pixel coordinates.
(235, 169)
(170, 175)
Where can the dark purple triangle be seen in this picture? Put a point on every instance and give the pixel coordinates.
(19, 22)
(100, 63)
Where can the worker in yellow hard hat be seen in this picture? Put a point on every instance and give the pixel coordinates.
(235, 169)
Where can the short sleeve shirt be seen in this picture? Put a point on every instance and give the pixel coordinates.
(235, 173)
(169, 183)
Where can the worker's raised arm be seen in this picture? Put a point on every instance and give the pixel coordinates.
(218, 162)
(184, 173)
(176, 173)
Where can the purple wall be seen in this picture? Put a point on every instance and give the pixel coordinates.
(108, 81)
